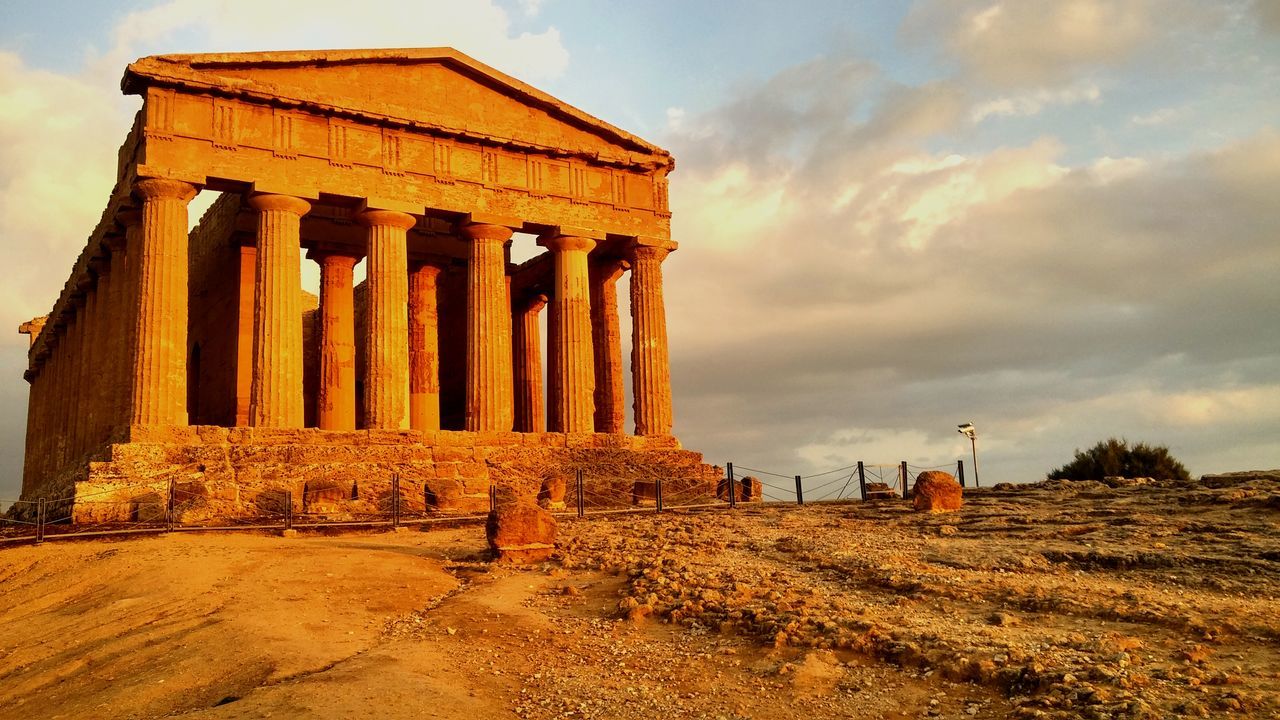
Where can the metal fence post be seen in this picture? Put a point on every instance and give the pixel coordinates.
(960, 472)
(168, 508)
(40, 515)
(862, 480)
(657, 494)
(582, 505)
(799, 492)
(288, 510)
(903, 470)
(733, 495)
(395, 500)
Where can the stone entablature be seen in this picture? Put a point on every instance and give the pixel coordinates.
(421, 164)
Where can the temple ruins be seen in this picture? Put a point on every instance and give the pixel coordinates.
(197, 357)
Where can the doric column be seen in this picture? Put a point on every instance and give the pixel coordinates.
(424, 347)
(71, 401)
(85, 357)
(386, 386)
(489, 382)
(275, 396)
(125, 250)
(58, 399)
(573, 404)
(606, 342)
(336, 396)
(245, 284)
(650, 372)
(160, 302)
(527, 366)
(102, 346)
(35, 402)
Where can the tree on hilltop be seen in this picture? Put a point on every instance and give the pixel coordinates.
(1114, 457)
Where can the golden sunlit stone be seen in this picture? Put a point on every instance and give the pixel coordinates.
(197, 357)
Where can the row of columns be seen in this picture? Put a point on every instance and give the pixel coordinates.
(119, 356)
(122, 351)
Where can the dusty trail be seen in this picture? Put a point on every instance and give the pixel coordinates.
(1067, 601)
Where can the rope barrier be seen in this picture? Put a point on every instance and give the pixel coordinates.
(762, 472)
(847, 467)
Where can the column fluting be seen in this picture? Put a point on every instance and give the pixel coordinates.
(386, 386)
(275, 395)
(336, 398)
(160, 305)
(489, 380)
(424, 347)
(573, 405)
(606, 342)
(650, 370)
(526, 343)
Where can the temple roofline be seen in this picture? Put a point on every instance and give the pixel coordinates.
(186, 70)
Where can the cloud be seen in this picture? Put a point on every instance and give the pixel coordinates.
(1032, 103)
(1155, 117)
(1268, 14)
(851, 288)
(1029, 43)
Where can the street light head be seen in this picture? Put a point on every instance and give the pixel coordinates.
(967, 430)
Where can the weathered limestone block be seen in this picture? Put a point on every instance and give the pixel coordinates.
(551, 494)
(519, 531)
(324, 495)
(936, 492)
(450, 495)
(746, 489)
(880, 491)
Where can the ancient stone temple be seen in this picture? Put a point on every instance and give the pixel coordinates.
(198, 356)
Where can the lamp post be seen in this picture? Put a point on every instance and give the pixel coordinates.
(968, 431)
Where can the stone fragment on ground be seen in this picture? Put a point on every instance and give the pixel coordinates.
(519, 530)
(936, 492)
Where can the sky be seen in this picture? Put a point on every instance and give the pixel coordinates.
(1056, 219)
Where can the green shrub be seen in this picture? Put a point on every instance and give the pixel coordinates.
(1114, 457)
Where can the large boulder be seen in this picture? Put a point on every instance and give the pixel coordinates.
(519, 531)
(936, 491)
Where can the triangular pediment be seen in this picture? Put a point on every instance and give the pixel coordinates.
(437, 88)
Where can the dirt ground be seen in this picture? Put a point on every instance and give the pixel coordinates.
(1064, 600)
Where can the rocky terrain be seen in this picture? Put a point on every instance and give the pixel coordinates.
(1059, 600)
